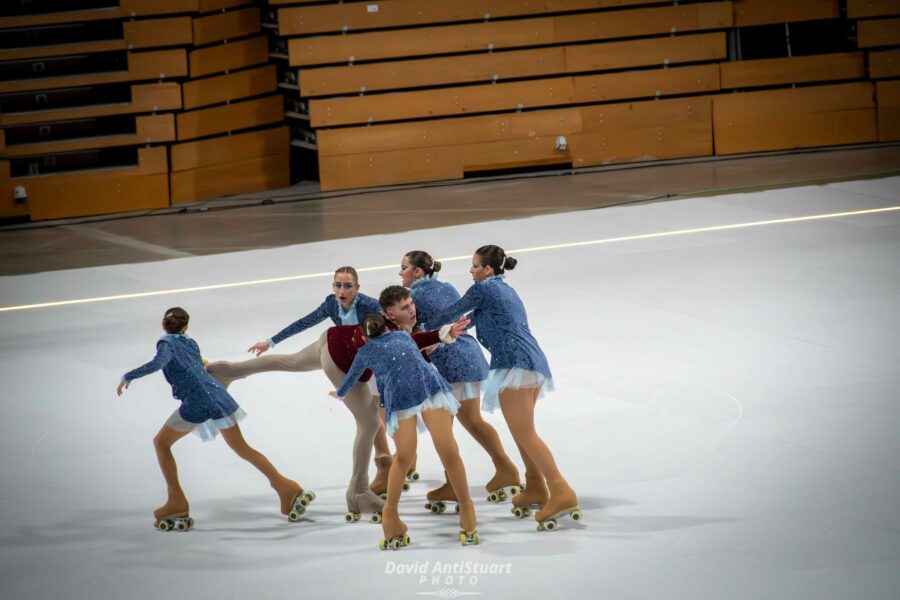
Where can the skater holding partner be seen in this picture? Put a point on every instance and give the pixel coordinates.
(207, 409)
(411, 387)
(464, 367)
(519, 376)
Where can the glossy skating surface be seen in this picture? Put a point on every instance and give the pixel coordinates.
(725, 407)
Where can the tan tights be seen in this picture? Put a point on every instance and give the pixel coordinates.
(518, 410)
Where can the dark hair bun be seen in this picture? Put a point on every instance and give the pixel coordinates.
(373, 325)
(510, 263)
(175, 320)
(436, 266)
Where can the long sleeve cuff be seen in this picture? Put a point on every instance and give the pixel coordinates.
(270, 342)
(445, 334)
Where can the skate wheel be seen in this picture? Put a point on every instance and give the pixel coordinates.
(414, 476)
(515, 491)
(520, 512)
(576, 515)
(396, 543)
(383, 545)
(550, 525)
(383, 495)
(376, 517)
(493, 498)
(190, 522)
(294, 516)
(405, 486)
(162, 525)
(181, 525)
(351, 517)
(405, 539)
(457, 508)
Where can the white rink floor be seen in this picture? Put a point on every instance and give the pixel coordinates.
(726, 408)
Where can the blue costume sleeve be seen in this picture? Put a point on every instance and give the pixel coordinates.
(470, 301)
(367, 306)
(356, 371)
(313, 318)
(162, 358)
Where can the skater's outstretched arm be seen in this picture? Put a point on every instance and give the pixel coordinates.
(470, 301)
(162, 358)
(302, 324)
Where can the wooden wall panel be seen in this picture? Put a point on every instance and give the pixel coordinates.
(85, 193)
(237, 177)
(355, 16)
(469, 68)
(766, 12)
(8, 206)
(888, 100)
(226, 26)
(878, 32)
(796, 69)
(596, 135)
(154, 33)
(220, 150)
(227, 57)
(794, 118)
(884, 64)
(448, 132)
(242, 84)
(860, 9)
(148, 97)
(508, 34)
(231, 117)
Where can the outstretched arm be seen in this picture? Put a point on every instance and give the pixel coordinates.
(302, 324)
(162, 358)
(470, 301)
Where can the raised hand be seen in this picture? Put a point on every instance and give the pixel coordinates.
(459, 328)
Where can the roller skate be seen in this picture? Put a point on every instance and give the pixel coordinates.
(411, 475)
(562, 502)
(506, 478)
(395, 536)
(468, 534)
(363, 502)
(294, 500)
(438, 498)
(181, 522)
(173, 516)
(535, 495)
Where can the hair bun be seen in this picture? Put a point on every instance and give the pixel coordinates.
(436, 266)
(510, 263)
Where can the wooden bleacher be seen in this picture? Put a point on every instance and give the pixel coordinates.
(404, 91)
(92, 101)
(409, 90)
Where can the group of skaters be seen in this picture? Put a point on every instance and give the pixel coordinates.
(401, 364)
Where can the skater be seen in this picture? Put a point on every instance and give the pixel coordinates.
(461, 364)
(519, 375)
(345, 306)
(411, 387)
(333, 353)
(207, 409)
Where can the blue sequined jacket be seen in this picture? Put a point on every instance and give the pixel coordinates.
(459, 362)
(404, 378)
(501, 325)
(202, 397)
(330, 309)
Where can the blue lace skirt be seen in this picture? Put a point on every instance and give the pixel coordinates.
(209, 429)
(439, 400)
(515, 378)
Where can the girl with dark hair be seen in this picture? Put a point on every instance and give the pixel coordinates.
(410, 387)
(463, 365)
(519, 375)
(207, 409)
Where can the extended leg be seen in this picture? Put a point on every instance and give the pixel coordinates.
(440, 425)
(308, 359)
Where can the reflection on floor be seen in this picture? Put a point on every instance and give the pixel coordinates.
(726, 409)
